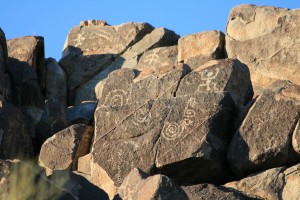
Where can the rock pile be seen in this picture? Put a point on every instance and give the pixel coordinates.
(135, 112)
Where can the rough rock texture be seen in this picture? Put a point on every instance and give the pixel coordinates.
(264, 139)
(15, 138)
(209, 191)
(272, 184)
(159, 37)
(90, 49)
(30, 50)
(4, 48)
(56, 82)
(59, 151)
(160, 187)
(169, 135)
(3, 62)
(267, 40)
(134, 180)
(161, 82)
(219, 75)
(296, 138)
(83, 113)
(84, 164)
(54, 119)
(197, 49)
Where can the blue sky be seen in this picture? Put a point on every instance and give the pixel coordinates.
(53, 19)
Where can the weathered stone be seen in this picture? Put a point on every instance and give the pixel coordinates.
(30, 50)
(33, 115)
(189, 134)
(83, 113)
(93, 23)
(264, 139)
(2, 78)
(58, 152)
(84, 164)
(54, 119)
(209, 191)
(90, 49)
(197, 49)
(296, 138)
(158, 57)
(273, 184)
(56, 82)
(4, 48)
(219, 75)
(15, 138)
(7, 93)
(161, 82)
(26, 90)
(160, 187)
(159, 37)
(266, 39)
(135, 179)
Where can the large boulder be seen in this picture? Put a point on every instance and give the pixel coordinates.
(15, 138)
(3, 46)
(267, 40)
(228, 75)
(90, 49)
(29, 50)
(59, 151)
(273, 184)
(82, 113)
(3, 62)
(56, 82)
(159, 37)
(264, 139)
(187, 134)
(197, 49)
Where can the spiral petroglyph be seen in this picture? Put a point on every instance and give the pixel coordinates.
(171, 131)
(142, 115)
(116, 97)
(189, 110)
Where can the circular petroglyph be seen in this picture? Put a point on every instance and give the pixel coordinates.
(171, 131)
(115, 97)
(142, 115)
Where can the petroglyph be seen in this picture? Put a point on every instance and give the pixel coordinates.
(171, 131)
(104, 35)
(189, 110)
(116, 97)
(142, 115)
(153, 58)
(78, 41)
(208, 76)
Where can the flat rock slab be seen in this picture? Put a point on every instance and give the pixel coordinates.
(29, 50)
(90, 49)
(58, 152)
(166, 135)
(15, 137)
(228, 75)
(197, 49)
(274, 184)
(269, 51)
(264, 140)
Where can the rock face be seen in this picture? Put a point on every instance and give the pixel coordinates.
(83, 113)
(273, 184)
(154, 136)
(31, 51)
(56, 82)
(58, 152)
(222, 75)
(3, 63)
(197, 49)
(277, 57)
(15, 138)
(264, 139)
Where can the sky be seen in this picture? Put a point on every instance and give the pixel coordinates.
(53, 19)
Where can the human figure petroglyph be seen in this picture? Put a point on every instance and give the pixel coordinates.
(116, 97)
(208, 76)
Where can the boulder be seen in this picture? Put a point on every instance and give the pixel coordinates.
(197, 49)
(296, 138)
(266, 39)
(58, 152)
(160, 187)
(54, 119)
(161, 82)
(209, 191)
(15, 138)
(159, 37)
(56, 82)
(84, 164)
(90, 49)
(29, 50)
(8, 92)
(264, 139)
(273, 184)
(4, 48)
(2, 75)
(187, 134)
(227, 75)
(82, 113)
